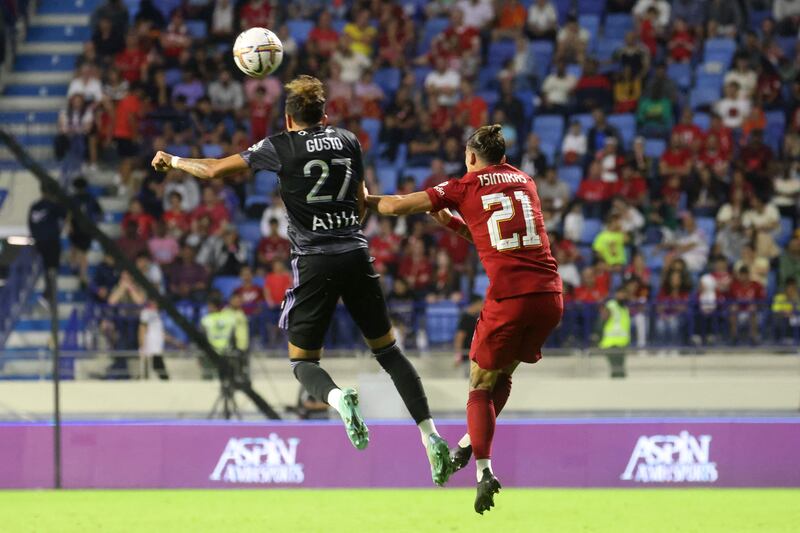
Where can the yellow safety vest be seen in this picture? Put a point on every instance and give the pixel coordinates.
(617, 329)
(225, 326)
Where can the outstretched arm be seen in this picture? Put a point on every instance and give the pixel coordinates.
(407, 204)
(207, 169)
(453, 223)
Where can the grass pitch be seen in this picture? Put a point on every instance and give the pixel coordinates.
(367, 511)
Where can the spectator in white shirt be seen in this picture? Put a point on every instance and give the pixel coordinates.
(744, 75)
(351, 65)
(477, 13)
(557, 88)
(571, 42)
(764, 220)
(276, 210)
(662, 6)
(691, 245)
(542, 20)
(573, 147)
(443, 83)
(185, 185)
(152, 339)
(732, 109)
(87, 84)
(222, 19)
(226, 93)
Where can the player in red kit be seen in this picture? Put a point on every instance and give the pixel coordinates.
(503, 217)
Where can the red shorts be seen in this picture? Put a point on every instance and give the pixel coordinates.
(514, 329)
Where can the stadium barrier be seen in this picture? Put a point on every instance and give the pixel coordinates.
(546, 453)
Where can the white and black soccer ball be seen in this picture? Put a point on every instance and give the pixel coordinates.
(257, 52)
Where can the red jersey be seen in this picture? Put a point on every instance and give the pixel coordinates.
(502, 209)
(689, 134)
(252, 297)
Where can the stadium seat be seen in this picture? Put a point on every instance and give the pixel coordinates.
(299, 29)
(591, 7)
(702, 120)
(372, 126)
(654, 147)
(585, 119)
(198, 29)
(573, 69)
(549, 149)
(212, 151)
(387, 178)
(772, 283)
(606, 47)
(481, 285)
(167, 7)
(441, 321)
(490, 97)
(708, 225)
(388, 79)
(420, 73)
(254, 200)
(788, 45)
(172, 76)
(618, 24)
(572, 175)
(526, 98)
(705, 79)
(591, 227)
(680, 73)
(785, 234)
(249, 232)
(180, 150)
(626, 123)
(542, 49)
(773, 136)
(433, 27)
(226, 285)
(501, 51)
(549, 128)
(265, 182)
(703, 97)
(563, 8)
(590, 23)
(719, 50)
(776, 118)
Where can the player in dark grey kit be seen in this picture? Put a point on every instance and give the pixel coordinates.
(322, 184)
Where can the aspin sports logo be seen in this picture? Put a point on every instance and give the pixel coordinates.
(679, 458)
(259, 460)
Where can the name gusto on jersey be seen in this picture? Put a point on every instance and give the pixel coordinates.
(324, 143)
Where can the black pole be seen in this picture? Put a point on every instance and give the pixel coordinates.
(52, 293)
(111, 248)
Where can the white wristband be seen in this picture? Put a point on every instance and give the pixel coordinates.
(174, 161)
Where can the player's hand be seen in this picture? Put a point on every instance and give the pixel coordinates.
(442, 217)
(161, 161)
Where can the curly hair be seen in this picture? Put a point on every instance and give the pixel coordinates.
(305, 100)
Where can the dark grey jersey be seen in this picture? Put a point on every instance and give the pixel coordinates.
(320, 171)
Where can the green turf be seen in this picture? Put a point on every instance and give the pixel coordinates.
(367, 511)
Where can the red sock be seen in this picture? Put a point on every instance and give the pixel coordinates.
(502, 388)
(480, 422)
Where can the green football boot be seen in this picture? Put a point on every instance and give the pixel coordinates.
(439, 457)
(353, 421)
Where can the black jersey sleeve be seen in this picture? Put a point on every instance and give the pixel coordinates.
(262, 156)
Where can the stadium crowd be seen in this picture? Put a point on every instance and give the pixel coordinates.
(664, 138)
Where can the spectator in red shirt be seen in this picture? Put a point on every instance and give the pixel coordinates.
(251, 294)
(593, 89)
(272, 247)
(588, 292)
(130, 243)
(472, 105)
(385, 247)
(276, 283)
(746, 296)
(681, 42)
(768, 87)
(466, 38)
(446, 281)
(676, 160)
(260, 112)
(127, 115)
(437, 176)
(177, 220)
(256, 14)
(723, 134)
(323, 39)
(648, 30)
(632, 186)
(415, 268)
(214, 208)
(673, 299)
(176, 38)
(756, 155)
(132, 61)
(511, 20)
(136, 215)
(722, 278)
(594, 192)
(713, 158)
(690, 133)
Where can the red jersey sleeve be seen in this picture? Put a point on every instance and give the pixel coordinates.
(448, 194)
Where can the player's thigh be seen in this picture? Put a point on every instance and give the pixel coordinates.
(549, 310)
(494, 343)
(309, 306)
(362, 295)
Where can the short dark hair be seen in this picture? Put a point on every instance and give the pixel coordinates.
(488, 142)
(305, 100)
(215, 299)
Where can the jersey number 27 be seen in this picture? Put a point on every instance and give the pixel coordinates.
(507, 212)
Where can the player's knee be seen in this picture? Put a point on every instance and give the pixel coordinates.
(480, 379)
(297, 364)
(383, 343)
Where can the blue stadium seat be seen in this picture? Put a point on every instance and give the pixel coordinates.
(572, 175)
(299, 29)
(618, 24)
(212, 151)
(626, 123)
(433, 27)
(420, 174)
(501, 51)
(563, 8)
(255, 199)
(706, 79)
(708, 225)
(776, 118)
(526, 98)
(702, 120)
(549, 149)
(773, 136)
(703, 97)
(718, 49)
(167, 7)
(788, 45)
(265, 182)
(591, 227)
(420, 73)
(180, 150)
(606, 47)
(441, 321)
(654, 147)
(574, 69)
(226, 285)
(755, 18)
(680, 73)
(585, 119)
(388, 79)
(198, 29)
(590, 23)
(373, 128)
(387, 177)
(549, 128)
(481, 285)
(591, 7)
(249, 232)
(491, 98)
(785, 234)
(542, 48)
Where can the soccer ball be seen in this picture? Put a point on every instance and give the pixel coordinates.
(257, 52)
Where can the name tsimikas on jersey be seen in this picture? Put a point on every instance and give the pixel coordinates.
(495, 178)
(335, 220)
(319, 144)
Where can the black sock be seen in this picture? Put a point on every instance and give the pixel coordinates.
(406, 381)
(313, 377)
